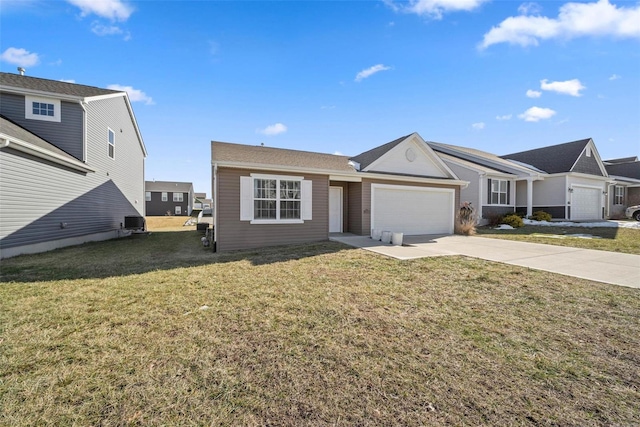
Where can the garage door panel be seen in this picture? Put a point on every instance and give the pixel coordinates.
(412, 210)
(585, 203)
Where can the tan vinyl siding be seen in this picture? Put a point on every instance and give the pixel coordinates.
(233, 234)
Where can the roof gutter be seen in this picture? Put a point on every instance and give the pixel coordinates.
(25, 147)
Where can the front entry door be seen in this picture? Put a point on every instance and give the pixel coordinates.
(335, 209)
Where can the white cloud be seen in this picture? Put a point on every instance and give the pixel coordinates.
(535, 114)
(530, 8)
(534, 93)
(504, 117)
(434, 8)
(105, 30)
(274, 129)
(478, 126)
(115, 10)
(615, 77)
(371, 71)
(68, 80)
(599, 18)
(568, 87)
(20, 57)
(338, 153)
(135, 95)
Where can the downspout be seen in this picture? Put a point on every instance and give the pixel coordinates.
(82, 105)
(215, 208)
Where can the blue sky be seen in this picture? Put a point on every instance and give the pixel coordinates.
(343, 76)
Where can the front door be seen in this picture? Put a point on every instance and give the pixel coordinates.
(335, 209)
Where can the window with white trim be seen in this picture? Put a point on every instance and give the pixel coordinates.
(178, 197)
(165, 197)
(111, 142)
(147, 196)
(37, 108)
(275, 199)
(178, 210)
(498, 192)
(618, 195)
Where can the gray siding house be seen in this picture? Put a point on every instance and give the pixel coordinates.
(169, 198)
(77, 152)
(624, 190)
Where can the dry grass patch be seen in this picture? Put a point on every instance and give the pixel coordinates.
(168, 223)
(313, 335)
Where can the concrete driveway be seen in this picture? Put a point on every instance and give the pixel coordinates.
(600, 266)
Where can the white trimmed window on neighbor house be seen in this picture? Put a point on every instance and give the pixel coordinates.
(618, 196)
(111, 139)
(147, 196)
(178, 197)
(498, 192)
(46, 109)
(178, 210)
(165, 197)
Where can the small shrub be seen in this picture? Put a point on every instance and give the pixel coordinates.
(513, 220)
(541, 216)
(493, 220)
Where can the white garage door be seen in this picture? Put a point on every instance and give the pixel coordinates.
(412, 210)
(586, 203)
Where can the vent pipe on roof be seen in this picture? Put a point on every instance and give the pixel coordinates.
(21, 70)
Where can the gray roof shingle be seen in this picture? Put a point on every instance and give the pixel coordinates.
(168, 186)
(225, 152)
(16, 131)
(10, 80)
(370, 156)
(552, 159)
(627, 169)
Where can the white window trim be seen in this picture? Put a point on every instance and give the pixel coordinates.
(247, 200)
(28, 108)
(179, 199)
(616, 195)
(506, 192)
(177, 210)
(109, 144)
(164, 196)
(147, 196)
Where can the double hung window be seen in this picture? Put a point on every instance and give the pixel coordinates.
(618, 196)
(274, 199)
(499, 192)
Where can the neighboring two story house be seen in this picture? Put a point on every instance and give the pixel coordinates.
(624, 191)
(71, 164)
(169, 198)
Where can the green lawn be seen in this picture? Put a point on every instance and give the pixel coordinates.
(156, 330)
(626, 240)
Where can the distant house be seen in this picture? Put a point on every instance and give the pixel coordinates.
(201, 202)
(624, 191)
(575, 181)
(71, 164)
(169, 198)
(492, 181)
(267, 196)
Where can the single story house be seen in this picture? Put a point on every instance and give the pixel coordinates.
(492, 180)
(266, 196)
(624, 190)
(169, 198)
(575, 183)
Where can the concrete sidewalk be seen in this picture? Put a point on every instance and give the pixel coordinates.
(600, 266)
